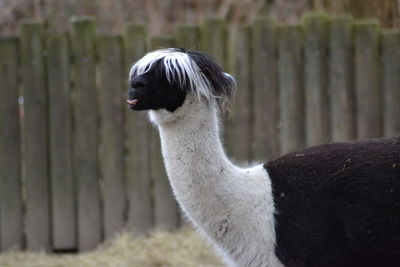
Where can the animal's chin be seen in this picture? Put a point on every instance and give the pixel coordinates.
(140, 104)
(133, 104)
(136, 107)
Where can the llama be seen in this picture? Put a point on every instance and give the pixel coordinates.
(336, 204)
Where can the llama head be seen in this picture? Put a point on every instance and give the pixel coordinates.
(165, 78)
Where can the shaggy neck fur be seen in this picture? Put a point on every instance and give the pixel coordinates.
(214, 193)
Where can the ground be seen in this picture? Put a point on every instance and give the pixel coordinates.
(184, 248)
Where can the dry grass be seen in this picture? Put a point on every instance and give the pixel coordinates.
(184, 248)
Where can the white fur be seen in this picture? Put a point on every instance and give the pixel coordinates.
(232, 206)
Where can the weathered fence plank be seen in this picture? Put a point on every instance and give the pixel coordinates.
(165, 206)
(11, 234)
(391, 81)
(317, 112)
(188, 36)
(138, 182)
(290, 67)
(341, 82)
(214, 36)
(111, 89)
(241, 117)
(368, 80)
(214, 41)
(85, 157)
(265, 141)
(35, 137)
(60, 130)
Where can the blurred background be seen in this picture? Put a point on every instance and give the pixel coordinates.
(78, 168)
(161, 16)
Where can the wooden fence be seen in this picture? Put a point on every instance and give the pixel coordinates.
(76, 166)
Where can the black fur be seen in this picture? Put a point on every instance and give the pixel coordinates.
(338, 204)
(153, 90)
(223, 87)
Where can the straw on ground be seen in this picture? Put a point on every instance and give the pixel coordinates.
(184, 248)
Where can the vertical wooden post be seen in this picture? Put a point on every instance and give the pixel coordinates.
(85, 160)
(138, 180)
(56, 14)
(240, 123)
(188, 36)
(62, 183)
(111, 102)
(214, 39)
(35, 137)
(165, 206)
(341, 83)
(368, 79)
(290, 67)
(11, 225)
(265, 141)
(316, 39)
(391, 81)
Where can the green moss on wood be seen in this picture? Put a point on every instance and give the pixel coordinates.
(188, 36)
(314, 16)
(159, 42)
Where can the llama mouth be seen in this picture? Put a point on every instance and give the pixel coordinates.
(132, 101)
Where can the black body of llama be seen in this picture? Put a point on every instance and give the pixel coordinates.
(331, 205)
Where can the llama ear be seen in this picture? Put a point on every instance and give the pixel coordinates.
(227, 91)
(230, 81)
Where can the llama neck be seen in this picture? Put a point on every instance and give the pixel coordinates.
(192, 148)
(194, 158)
(227, 203)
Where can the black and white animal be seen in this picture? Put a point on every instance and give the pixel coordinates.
(332, 205)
